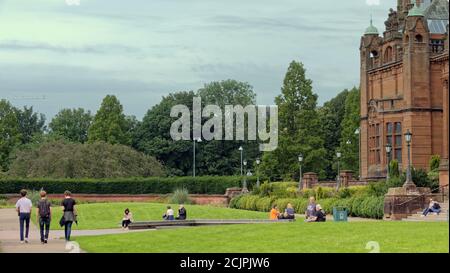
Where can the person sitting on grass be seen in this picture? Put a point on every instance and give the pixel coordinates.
(182, 215)
(274, 213)
(311, 209)
(169, 215)
(433, 207)
(319, 216)
(127, 219)
(289, 212)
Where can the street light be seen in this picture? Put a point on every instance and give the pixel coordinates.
(241, 150)
(338, 183)
(388, 156)
(358, 133)
(193, 166)
(244, 187)
(409, 182)
(258, 161)
(300, 182)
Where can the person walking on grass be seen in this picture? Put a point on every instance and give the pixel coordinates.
(44, 215)
(70, 214)
(23, 208)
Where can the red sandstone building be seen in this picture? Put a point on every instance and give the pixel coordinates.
(404, 86)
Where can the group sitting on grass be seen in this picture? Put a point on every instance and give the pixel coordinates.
(169, 215)
(313, 213)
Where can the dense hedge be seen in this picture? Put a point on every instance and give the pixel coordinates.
(358, 206)
(157, 185)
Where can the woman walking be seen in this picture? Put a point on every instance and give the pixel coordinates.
(70, 214)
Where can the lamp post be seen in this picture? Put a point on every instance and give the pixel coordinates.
(300, 182)
(358, 133)
(244, 186)
(409, 183)
(258, 161)
(241, 150)
(388, 157)
(338, 182)
(193, 166)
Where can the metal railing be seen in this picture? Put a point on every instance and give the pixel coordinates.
(441, 191)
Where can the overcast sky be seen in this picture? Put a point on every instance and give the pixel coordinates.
(54, 55)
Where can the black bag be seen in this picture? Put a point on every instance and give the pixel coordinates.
(436, 206)
(62, 222)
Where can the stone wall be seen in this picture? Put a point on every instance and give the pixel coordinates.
(201, 199)
(311, 180)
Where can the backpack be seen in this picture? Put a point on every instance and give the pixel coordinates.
(44, 208)
(436, 206)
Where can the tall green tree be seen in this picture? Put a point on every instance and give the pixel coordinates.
(30, 123)
(349, 145)
(10, 135)
(221, 157)
(72, 124)
(153, 135)
(331, 115)
(298, 123)
(110, 124)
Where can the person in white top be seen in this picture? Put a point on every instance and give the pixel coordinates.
(23, 208)
(169, 214)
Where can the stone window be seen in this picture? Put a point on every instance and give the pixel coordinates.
(394, 137)
(419, 38)
(388, 55)
(375, 143)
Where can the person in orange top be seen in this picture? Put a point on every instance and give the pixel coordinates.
(274, 213)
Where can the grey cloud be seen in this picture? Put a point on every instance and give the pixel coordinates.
(90, 49)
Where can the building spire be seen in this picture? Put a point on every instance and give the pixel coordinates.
(371, 30)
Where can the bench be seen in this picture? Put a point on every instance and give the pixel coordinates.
(190, 223)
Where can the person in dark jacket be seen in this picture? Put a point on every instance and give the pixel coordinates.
(44, 216)
(182, 214)
(70, 214)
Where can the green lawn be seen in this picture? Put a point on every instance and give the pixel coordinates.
(298, 237)
(109, 215)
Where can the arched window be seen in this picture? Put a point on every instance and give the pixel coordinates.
(418, 38)
(373, 54)
(388, 55)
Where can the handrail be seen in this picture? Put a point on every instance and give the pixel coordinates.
(423, 194)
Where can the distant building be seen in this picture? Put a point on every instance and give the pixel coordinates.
(404, 85)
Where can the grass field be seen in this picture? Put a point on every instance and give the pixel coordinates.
(109, 215)
(298, 237)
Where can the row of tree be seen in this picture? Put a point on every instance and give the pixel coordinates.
(304, 128)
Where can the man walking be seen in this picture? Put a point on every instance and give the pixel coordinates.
(23, 208)
(44, 215)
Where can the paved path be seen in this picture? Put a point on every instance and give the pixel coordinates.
(10, 241)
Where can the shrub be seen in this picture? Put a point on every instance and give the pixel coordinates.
(61, 159)
(180, 196)
(156, 185)
(264, 204)
(394, 170)
(435, 161)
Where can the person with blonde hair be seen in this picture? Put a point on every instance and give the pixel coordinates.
(44, 215)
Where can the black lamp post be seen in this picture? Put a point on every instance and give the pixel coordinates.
(244, 187)
(388, 156)
(409, 183)
(338, 182)
(258, 161)
(300, 182)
